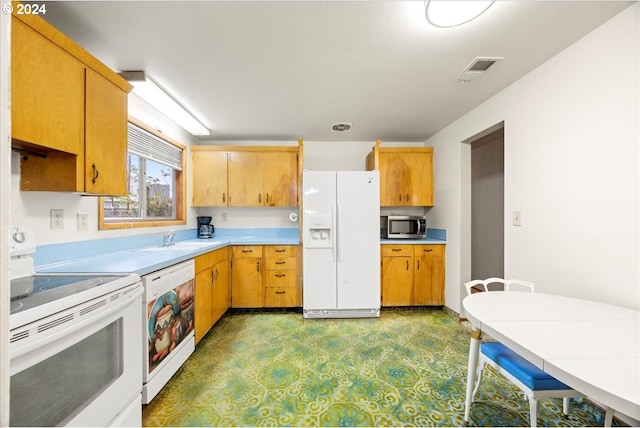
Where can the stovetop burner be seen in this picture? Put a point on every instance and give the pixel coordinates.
(36, 290)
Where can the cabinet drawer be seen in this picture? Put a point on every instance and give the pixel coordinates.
(209, 259)
(281, 263)
(280, 278)
(429, 250)
(282, 297)
(397, 250)
(280, 251)
(247, 251)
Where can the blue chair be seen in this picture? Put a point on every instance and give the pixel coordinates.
(534, 382)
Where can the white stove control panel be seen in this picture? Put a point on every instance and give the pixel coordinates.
(22, 245)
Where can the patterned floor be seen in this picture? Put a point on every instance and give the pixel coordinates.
(405, 368)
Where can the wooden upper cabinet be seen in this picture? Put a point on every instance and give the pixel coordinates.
(47, 93)
(209, 172)
(69, 113)
(406, 175)
(245, 176)
(245, 179)
(105, 162)
(280, 179)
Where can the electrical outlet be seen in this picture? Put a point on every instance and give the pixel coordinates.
(57, 219)
(517, 218)
(224, 217)
(83, 222)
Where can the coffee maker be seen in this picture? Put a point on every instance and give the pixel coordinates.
(205, 228)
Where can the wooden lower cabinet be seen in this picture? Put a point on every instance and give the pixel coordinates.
(397, 275)
(247, 278)
(265, 276)
(412, 275)
(211, 290)
(281, 285)
(428, 275)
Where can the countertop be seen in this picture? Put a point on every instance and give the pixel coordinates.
(425, 241)
(140, 257)
(145, 260)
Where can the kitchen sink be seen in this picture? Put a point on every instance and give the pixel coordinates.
(182, 246)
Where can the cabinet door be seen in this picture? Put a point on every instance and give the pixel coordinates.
(394, 178)
(419, 179)
(47, 92)
(221, 294)
(247, 284)
(209, 173)
(105, 137)
(204, 302)
(280, 183)
(397, 281)
(429, 275)
(245, 179)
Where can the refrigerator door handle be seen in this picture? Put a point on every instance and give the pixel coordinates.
(334, 244)
(337, 234)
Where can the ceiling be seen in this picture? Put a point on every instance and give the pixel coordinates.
(283, 70)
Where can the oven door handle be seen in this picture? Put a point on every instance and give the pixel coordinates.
(72, 328)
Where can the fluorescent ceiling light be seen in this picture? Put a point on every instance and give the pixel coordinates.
(149, 91)
(451, 13)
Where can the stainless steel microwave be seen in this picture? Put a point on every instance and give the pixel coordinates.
(403, 227)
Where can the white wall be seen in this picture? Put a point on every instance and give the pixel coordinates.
(571, 166)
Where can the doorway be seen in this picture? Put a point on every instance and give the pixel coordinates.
(487, 205)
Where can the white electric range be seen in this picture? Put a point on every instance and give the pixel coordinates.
(74, 344)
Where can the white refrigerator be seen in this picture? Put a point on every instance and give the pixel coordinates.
(341, 244)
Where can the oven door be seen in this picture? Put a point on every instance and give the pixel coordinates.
(83, 368)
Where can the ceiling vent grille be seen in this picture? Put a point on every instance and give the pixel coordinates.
(478, 66)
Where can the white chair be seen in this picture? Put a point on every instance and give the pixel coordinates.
(534, 382)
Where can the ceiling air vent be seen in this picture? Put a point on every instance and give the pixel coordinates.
(478, 66)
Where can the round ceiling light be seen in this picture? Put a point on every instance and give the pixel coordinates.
(450, 14)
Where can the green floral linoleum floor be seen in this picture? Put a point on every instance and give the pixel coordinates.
(404, 368)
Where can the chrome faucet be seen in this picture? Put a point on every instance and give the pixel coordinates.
(169, 238)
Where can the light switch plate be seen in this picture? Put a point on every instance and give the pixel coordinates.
(517, 218)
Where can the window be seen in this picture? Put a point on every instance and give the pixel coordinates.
(156, 183)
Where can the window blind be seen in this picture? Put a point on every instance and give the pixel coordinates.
(147, 145)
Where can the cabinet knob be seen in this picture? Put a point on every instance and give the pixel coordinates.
(396, 249)
(407, 264)
(247, 251)
(407, 197)
(224, 197)
(400, 197)
(427, 250)
(267, 198)
(280, 251)
(281, 263)
(418, 267)
(258, 265)
(260, 197)
(280, 292)
(281, 275)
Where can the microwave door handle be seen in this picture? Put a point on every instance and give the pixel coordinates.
(419, 229)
